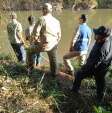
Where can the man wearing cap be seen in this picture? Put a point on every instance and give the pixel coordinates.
(97, 64)
(14, 29)
(79, 44)
(28, 32)
(46, 35)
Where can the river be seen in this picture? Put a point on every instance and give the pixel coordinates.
(68, 19)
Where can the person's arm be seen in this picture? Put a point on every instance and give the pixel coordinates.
(19, 32)
(36, 31)
(27, 35)
(105, 55)
(89, 41)
(59, 33)
(74, 39)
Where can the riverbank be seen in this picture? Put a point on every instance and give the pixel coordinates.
(20, 93)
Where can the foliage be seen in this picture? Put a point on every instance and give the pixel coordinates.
(36, 4)
(100, 109)
(4, 57)
(37, 93)
(105, 3)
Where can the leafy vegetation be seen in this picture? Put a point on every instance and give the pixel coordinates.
(100, 109)
(105, 3)
(36, 4)
(40, 93)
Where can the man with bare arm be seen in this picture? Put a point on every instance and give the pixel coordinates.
(79, 44)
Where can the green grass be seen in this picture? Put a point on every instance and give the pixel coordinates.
(100, 109)
(18, 89)
(20, 93)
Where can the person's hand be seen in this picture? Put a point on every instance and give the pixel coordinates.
(25, 45)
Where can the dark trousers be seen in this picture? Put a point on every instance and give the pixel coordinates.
(87, 71)
(36, 59)
(16, 48)
(52, 54)
(20, 52)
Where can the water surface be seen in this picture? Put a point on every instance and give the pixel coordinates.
(68, 19)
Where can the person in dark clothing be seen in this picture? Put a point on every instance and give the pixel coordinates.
(98, 61)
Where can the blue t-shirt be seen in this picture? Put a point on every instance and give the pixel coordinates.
(82, 41)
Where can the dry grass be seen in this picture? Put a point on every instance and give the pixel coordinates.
(20, 93)
(17, 95)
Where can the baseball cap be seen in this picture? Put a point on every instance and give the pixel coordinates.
(102, 30)
(84, 17)
(48, 6)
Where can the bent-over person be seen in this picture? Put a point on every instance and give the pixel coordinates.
(97, 64)
(46, 35)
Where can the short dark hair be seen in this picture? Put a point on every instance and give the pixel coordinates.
(31, 18)
(83, 17)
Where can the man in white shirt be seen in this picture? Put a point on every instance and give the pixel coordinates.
(14, 29)
(46, 36)
(28, 32)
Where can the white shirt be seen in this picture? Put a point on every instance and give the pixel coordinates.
(49, 30)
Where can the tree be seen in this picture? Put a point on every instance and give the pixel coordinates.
(104, 3)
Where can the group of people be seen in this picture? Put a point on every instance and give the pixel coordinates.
(44, 36)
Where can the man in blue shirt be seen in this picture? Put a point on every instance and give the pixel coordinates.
(79, 44)
(97, 64)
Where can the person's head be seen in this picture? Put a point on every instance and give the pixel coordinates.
(47, 8)
(31, 19)
(13, 15)
(101, 33)
(82, 18)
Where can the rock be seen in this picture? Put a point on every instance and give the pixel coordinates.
(84, 5)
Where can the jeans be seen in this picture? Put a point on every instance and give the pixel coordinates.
(20, 52)
(36, 59)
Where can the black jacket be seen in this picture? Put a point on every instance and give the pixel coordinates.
(101, 55)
